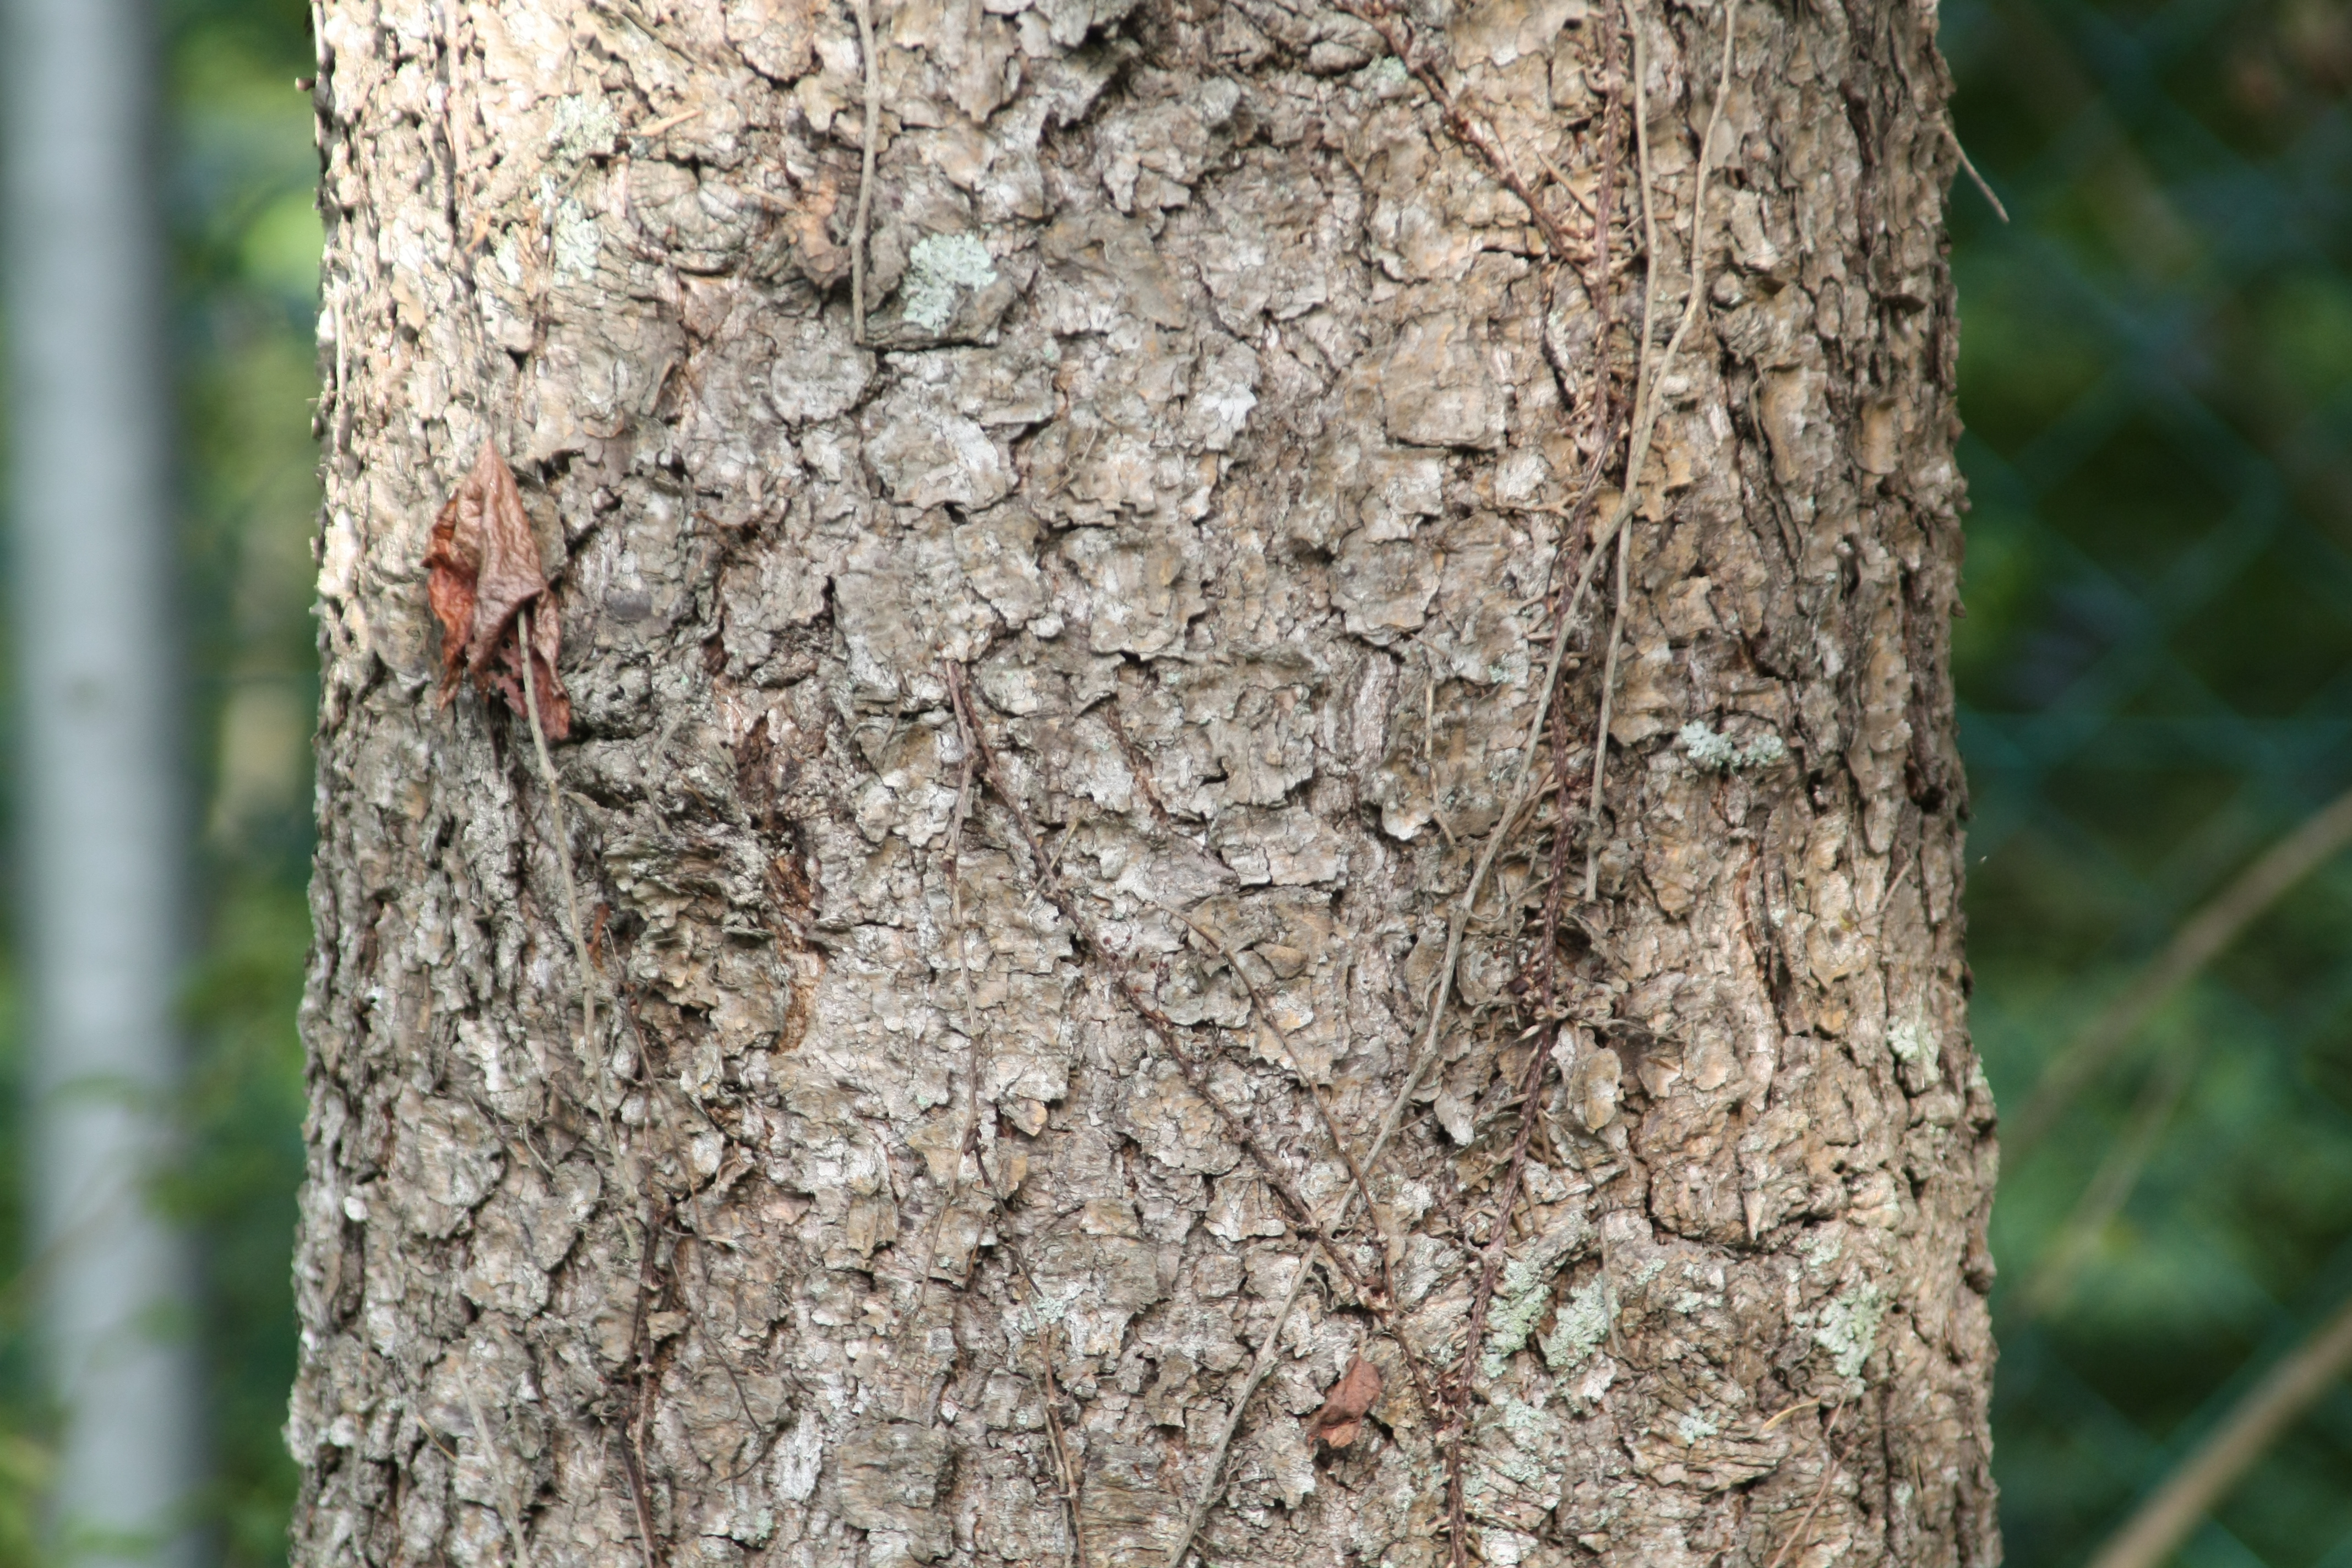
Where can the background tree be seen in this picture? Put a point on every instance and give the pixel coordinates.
(1105, 889)
(102, 908)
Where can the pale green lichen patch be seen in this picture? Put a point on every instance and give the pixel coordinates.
(937, 265)
(1533, 1433)
(584, 127)
(1524, 1292)
(1509, 1325)
(1820, 1248)
(1720, 754)
(1690, 1426)
(1045, 1311)
(1912, 1043)
(1849, 1328)
(577, 242)
(1582, 1324)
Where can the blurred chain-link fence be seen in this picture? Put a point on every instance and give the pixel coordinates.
(2155, 674)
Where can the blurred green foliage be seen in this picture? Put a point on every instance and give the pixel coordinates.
(238, 177)
(2156, 677)
(246, 240)
(2155, 674)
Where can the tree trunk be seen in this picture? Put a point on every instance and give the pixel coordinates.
(1063, 791)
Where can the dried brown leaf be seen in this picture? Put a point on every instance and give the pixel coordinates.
(1348, 1401)
(482, 571)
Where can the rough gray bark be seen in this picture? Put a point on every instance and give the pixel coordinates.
(1018, 760)
(97, 773)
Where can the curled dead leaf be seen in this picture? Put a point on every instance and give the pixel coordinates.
(1348, 1401)
(482, 573)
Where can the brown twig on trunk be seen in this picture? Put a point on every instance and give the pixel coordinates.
(1821, 1494)
(1649, 374)
(1199, 1512)
(1290, 1057)
(593, 1067)
(1481, 1299)
(1304, 1220)
(1163, 1028)
(1404, 43)
(1053, 1388)
(1600, 729)
(1061, 1446)
(873, 67)
(968, 1146)
(1387, 1307)
(701, 1234)
(633, 1418)
(1596, 290)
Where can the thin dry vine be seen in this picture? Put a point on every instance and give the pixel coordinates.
(1650, 373)
(866, 152)
(1118, 971)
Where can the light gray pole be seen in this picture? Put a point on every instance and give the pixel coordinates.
(100, 773)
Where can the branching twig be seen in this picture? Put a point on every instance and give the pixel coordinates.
(1649, 375)
(1984, 189)
(1597, 289)
(510, 1501)
(1645, 391)
(967, 1138)
(1263, 1363)
(1389, 1125)
(1397, 32)
(702, 1258)
(596, 1071)
(562, 842)
(1600, 728)
(1497, 836)
(1053, 1390)
(1122, 985)
(968, 1145)
(1199, 1512)
(1265, 1017)
(2193, 946)
(1054, 1435)
(1317, 1231)
(2213, 1467)
(866, 166)
(1821, 1494)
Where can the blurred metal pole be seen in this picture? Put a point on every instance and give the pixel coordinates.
(101, 921)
